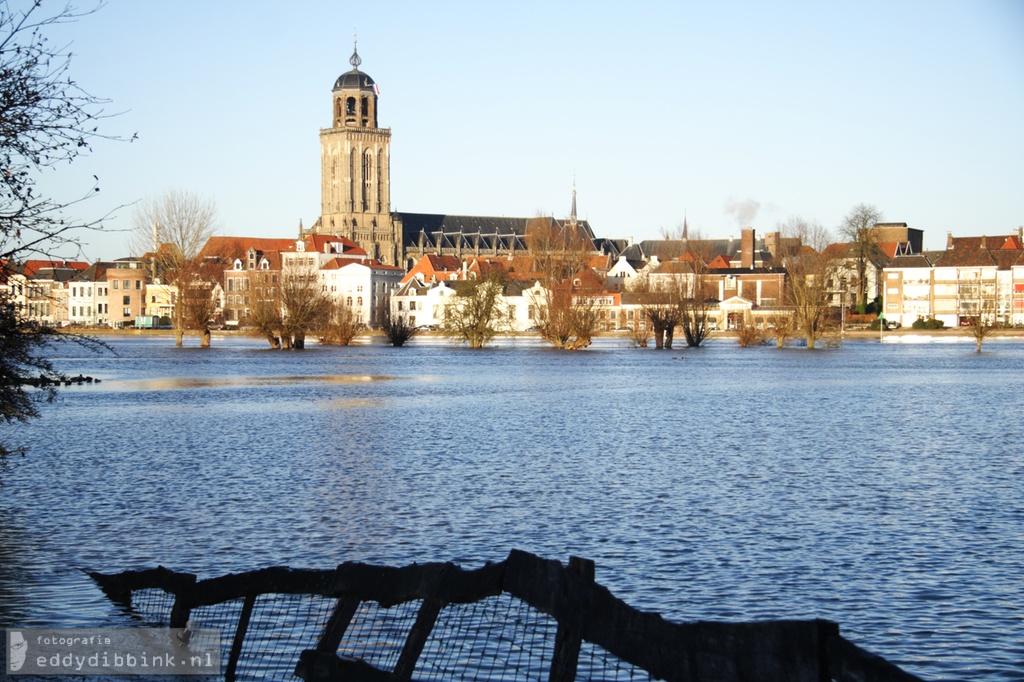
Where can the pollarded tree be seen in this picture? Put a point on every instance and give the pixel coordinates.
(477, 312)
(172, 230)
(305, 306)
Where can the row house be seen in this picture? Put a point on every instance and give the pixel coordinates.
(342, 269)
(89, 297)
(421, 304)
(126, 291)
(37, 289)
(974, 277)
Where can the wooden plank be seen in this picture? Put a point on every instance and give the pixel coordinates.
(567, 641)
(417, 638)
(849, 663)
(236, 644)
(334, 630)
(385, 585)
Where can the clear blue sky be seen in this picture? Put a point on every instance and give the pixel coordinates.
(730, 113)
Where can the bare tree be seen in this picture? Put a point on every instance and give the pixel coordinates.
(809, 269)
(304, 304)
(46, 121)
(858, 228)
(780, 326)
(265, 316)
(749, 335)
(396, 329)
(979, 299)
(171, 230)
(477, 312)
(341, 326)
(565, 308)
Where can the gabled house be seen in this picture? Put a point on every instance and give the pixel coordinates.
(364, 287)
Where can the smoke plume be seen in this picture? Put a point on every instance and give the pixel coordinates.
(743, 212)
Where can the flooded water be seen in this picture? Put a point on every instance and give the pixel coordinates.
(877, 485)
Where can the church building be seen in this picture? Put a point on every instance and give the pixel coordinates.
(356, 191)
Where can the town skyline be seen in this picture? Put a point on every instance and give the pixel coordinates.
(802, 111)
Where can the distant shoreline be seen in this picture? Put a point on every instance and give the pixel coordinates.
(848, 334)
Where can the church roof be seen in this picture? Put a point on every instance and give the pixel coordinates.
(448, 231)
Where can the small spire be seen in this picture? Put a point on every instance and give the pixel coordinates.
(686, 227)
(354, 60)
(572, 211)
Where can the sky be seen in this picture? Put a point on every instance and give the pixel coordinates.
(727, 114)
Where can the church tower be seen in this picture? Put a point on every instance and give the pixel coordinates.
(355, 196)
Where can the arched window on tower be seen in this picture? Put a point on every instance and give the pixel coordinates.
(380, 180)
(365, 108)
(350, 106)
(367, 178)
(352, 180)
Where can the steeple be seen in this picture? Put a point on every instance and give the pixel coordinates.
(354, 60)
(686, 227)
(572, 211)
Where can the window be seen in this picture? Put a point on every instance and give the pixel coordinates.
(359, 302)
(127, 312)
(412, 305)
(115, 284)
(127, 300)
(138, 285)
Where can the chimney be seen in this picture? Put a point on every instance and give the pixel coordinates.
(771, 242)
(949, 241)
(983, 240)
(747, 248)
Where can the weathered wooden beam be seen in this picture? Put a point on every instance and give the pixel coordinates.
(236, 644)
(119, 586)
(567, 641)
(774, 650)
(417, 638)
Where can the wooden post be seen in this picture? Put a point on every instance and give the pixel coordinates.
(417, 637)
(344, 610)
(240, 629)
(567, 643)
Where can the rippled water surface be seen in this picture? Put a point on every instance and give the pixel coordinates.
(880, 486)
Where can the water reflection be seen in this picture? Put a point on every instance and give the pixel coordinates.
(877, 485)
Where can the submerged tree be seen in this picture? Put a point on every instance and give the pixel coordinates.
(564, 305)
(477, 312)
(305, 306)
(341, 326)
(397, 329)
(810, 267)
(46, 121)
(172, 230)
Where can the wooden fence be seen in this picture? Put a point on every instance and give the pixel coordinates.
(523, 618)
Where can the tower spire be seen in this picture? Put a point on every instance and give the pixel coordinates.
(355, 60)
(572, 211)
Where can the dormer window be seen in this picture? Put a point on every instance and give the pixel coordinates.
(238, 264)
